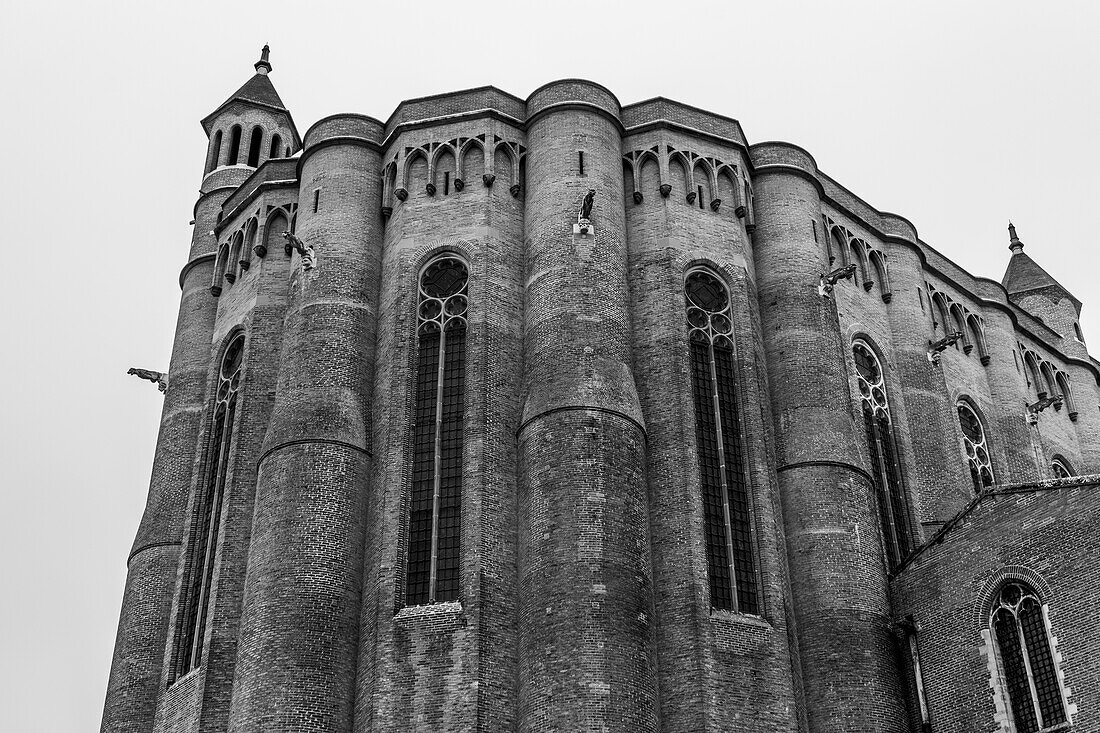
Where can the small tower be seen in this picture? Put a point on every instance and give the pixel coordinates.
(252, 126)
(1033, 289)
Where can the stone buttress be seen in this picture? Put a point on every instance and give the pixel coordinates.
(299, 623)
(585, 607)
(838, 581)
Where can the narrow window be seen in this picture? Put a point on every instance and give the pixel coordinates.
(234, 145)
(920, 298)
(727, 517)
(1077, 332)
(446, 182)
(436, 497)
(700, 188)
(276, 144)
(580, 161)
(254, 146)
(1026, 661)
(977, 449)
(1016, 358)
(893, 507)
(194, 606)
(814, 225)
(215, 151)
(316, 199)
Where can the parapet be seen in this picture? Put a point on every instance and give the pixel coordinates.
(565, 92)
(345, 126)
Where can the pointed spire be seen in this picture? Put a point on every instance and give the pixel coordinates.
(1014, 243)
(263, 66)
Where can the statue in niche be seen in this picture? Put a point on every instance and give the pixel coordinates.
(159, 378)
(586, 205)
(309, 257)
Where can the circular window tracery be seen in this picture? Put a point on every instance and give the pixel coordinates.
(443, 301)
(977, 448)
(1060, 468)
(872, 387)
(708, 309)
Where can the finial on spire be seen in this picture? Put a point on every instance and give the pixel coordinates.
(1014, 243)
(263, 66)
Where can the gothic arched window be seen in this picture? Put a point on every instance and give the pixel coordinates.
(205, 526)
(726, 506)
(977, 448)
(435, 503)
(1025, 658)
(215, 151)
(234, 145)
(254, 146)
(893, 507)
(1060, 468)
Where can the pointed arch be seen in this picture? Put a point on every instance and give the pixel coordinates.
(277, 223)
(702, 182)
(630, 184)
(1034, 377)
(859, 259)
(443, 169)
(878, 265)
(471, 160)
(679, 171)
(975, 444)
(941, 312)
(250, 229)
(219, 269)
(727, 187)
(415, 164)
(649, 170)
(504, 164)
(976, 333)
(1067, 394)
(893, 502)
(838, 247)
(958, 325)
(234, 256)
(1047, 370)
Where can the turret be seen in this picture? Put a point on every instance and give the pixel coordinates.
(252, 126)
(1033, 289)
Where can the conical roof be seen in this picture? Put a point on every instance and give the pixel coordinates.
(258, 91)
(1025, 274)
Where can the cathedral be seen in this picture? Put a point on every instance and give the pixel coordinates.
(559, 414)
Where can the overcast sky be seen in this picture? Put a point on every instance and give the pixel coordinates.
(955, 115)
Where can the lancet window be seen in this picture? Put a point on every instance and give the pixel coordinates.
(977, 447)
(194, 606)
(726, 503)
(436, 494)
(1026, 660)
(893, 505)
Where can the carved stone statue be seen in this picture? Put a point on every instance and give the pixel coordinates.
(160, 378)
(309, 257)
(586, 205)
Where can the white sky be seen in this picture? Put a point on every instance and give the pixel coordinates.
(955, 115)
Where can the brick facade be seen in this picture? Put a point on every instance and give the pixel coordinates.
(584, 599)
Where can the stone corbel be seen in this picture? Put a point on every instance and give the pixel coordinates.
(666, 189)
(488, 179)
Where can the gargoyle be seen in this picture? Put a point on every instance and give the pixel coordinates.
(935, 347)
(828, 282)
(160, 378)
(309, 258)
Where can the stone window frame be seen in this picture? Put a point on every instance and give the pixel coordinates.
(438, 318)
(974, 450)
(893, 498)
(990, 652)
(196, 589)
(1059, 462)
(710, 334)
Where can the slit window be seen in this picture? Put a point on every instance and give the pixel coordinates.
(435, 503)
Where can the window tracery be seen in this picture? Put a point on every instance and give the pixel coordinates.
(1059, 468)
(1026, 660)
(436, 494)
(893, 506)
(205, 528)
(977, 448)
(726, 502)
